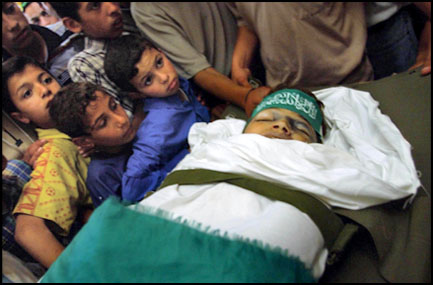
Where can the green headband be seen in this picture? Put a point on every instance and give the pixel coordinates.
(296, 101)
(24, 5)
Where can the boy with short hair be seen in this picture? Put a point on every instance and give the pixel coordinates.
(161, 138)
(100, 22)
(50, 201)
(144, 71)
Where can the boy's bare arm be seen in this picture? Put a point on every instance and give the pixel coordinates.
(35, 237)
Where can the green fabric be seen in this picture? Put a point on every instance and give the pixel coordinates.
(119, 244)
(329, 224)
(296, 101)
(339, 246)
(24, 5)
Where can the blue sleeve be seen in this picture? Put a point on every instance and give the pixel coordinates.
(104, 177)
(201, 112)
(160, 143)
(135, 187)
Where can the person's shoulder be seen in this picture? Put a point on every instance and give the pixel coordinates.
(44, 32)
(84, 62)
(51, 39)
(56, 140)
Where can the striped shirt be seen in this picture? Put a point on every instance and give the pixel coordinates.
(88, 66)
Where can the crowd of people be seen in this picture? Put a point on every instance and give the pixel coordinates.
(112, 90)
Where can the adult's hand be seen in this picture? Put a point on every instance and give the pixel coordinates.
(85, 145)
(240, 76)
(424, 46)
(424, 51)
(33, 152)
(255, 97)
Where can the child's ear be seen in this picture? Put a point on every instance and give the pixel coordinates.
(83, 140)
(20, 117)
(85, 145)
(72, 25)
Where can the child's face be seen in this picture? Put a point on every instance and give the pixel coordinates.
(108, 122)
(16, 32)
(282, 124)
(101, 20)
(156, 75)
(31, 90)
(38, 13)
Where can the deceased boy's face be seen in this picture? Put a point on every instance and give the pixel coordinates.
(108, 122)
(156, 75)
(31, 90)
(282, 124)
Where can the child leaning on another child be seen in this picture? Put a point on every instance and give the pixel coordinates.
(51, 201)
(170, 108)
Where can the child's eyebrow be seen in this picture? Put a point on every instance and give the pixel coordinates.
(155, 59)
(24, 85)
(41, 75)
(145, 75)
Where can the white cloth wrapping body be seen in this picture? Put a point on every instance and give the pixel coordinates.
(364, 161)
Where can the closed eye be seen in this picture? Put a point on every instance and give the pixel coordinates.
(101, 123)
(264, 120)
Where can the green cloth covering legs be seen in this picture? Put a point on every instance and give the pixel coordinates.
(119, 244)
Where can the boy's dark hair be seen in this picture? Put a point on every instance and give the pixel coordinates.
(10, 67)
(4, 5)
(68, 107)
(308, 92)
(67, 9)
(122, 55)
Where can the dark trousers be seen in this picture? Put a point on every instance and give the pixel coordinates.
(392, 45)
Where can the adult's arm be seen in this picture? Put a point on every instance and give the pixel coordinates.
(160, 29)
(424, 47)
(246, 44)
(221, 86)
(35, 237)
